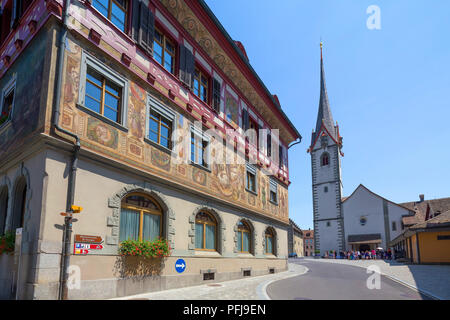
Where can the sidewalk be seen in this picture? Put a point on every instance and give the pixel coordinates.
(433, 280)
(253, 288)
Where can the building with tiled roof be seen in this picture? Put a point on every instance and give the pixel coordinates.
(426, 238)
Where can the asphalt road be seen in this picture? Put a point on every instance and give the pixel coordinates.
(337, 282)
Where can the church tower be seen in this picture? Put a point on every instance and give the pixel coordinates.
(325, 150)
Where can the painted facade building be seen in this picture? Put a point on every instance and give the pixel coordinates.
(118, 107)
(295, 240)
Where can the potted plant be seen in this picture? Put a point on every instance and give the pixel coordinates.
(3, 117)
(159, 248)
(7, 243)
(317, 254)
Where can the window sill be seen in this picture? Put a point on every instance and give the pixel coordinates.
(156, 145)
(245, 255)
(199, 166)
(252, 192)
(102, 118)
(5, 125)
(205, 253)
(273, 202)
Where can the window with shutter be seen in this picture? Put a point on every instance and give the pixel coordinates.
(186, 66)
(216, 95)
(245, 120)
(280, 157)
(146, 28)
(273, 191)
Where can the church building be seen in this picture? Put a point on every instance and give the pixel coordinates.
(362, 221)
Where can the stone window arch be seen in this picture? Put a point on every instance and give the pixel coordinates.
(19, 203)
(19, 211)
(146, 190)
(205, 231)
(141, 218)
(244, 229)
(4, 206)
(220, 228)
(325, 159)
(270, 243)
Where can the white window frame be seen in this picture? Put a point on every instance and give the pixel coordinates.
(10, 86)
(88, 60)
(198, 133)
(252, 169)
(273, 186)
(156, 106)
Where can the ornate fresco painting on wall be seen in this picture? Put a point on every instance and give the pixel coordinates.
(231, 109)
(199, 176)
(72, 82)
(228, 180)
(136, 111)
(101, 133)
(71, 85)
(160, 159)
(263, 192)
(28, 72)
(181, 11)
(135, 148)
(224, 181)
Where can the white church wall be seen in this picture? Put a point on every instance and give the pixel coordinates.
(395, 215)
(363, 204)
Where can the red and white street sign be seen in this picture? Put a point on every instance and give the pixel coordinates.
(95, 246)
(81, 251)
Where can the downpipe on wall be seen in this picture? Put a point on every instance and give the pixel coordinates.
(67, 232)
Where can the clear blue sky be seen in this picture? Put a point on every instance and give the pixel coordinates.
(389, 89)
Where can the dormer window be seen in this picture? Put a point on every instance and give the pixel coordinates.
(325, 159)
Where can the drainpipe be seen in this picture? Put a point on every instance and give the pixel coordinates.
(295, 142)
(67, 233)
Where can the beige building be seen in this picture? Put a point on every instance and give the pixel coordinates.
(295, 240)
(122, 118)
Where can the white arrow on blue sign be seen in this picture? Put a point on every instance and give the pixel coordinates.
(180, 265)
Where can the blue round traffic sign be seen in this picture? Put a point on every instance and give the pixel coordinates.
(180, 265)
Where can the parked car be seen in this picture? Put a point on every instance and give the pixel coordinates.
(292, 255)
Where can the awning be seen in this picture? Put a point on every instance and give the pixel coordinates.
(364, 238)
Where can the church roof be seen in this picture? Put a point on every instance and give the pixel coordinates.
(361, 186)
(324, 116)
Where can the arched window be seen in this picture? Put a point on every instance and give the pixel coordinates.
(325, 159)
(140, 218)
(20, 197)
(244, 237)
(3, 208)
(270, 241)
(205, 231)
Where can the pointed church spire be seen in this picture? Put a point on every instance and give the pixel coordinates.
(324, 115)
